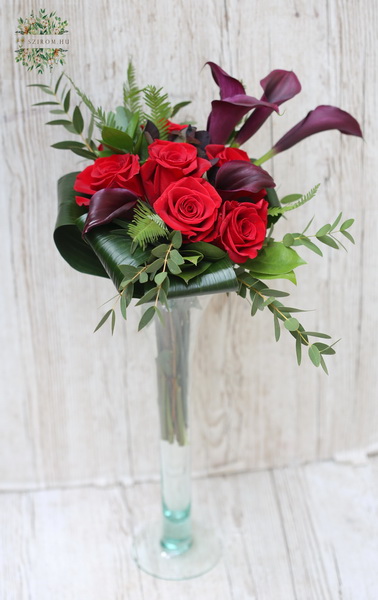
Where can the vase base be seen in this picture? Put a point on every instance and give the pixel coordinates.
(201, 557)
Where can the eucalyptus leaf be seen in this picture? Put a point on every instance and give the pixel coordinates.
(147, 316)
(348, 223)
(291, 324)
(104, 319)
(329, 241)
(348, 235)
(314, 355)
(277, 328)
(323, 231)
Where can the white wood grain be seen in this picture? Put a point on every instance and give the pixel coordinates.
(300, 533)
(77, 407)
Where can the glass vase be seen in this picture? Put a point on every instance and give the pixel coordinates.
(176, 546)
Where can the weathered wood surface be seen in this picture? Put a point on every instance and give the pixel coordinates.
(299, 533)
(78, 407)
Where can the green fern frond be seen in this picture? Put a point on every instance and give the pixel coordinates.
(99, 115)
(131, 92)
(280, 210)
(147, 227)
(160, 109)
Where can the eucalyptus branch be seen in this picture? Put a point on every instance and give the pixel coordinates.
(262, 297)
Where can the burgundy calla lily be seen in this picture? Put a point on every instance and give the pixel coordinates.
(279, 86)
(322, 118)
(238, 178)
(109, 204)
(231, 108)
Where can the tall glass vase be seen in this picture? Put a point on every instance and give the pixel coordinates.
(177, 546)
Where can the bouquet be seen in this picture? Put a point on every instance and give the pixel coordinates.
(166, 210)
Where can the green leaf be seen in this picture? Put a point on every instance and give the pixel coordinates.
(69, 126)
(123, 304)
(68, 145)
(298, 349)
(311, 246)
(188, 274)
(288, 240)
(308, 225)
(160, 251)
(348, 235)
(155, 266)
(58, 83)
(77, 120)
(128, 271)
(147, 316)
(290, 276)
(117, 139)
(274, 293)
(291, 324)
(291, 309)
(113, 320)
(277, 328)
(323, 365)
(209, 251)
(317, 334)
(314, 355)
(258, 301)
(179, 106)
(148, 296)
(159, 277)
(66, 104)
(290, 198)
(59, 122)
(324, 348)
(122, 118)
(192, 257)
(348, 223)
(326, 239)
(176, 239)
(46, 103)
(132, 126)
(323, 231)
(336, 221)
(143, 277)
(173, 267)
(67, 235)
(176, 257)
(84, 153)
(104, 319)
(275, 259)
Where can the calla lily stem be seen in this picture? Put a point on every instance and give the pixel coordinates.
(264, 158)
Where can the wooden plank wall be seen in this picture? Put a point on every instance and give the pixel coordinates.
(78, 407)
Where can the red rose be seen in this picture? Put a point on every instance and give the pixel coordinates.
(169, 162)
(242, 228)
(116, 171)
(175, 128)
(225, 154)
(190, 205)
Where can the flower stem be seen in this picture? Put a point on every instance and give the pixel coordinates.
(265, 157)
